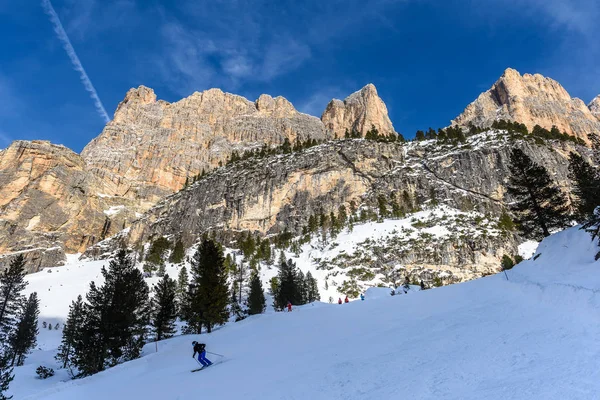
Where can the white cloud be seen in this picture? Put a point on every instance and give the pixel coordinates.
(194, 60)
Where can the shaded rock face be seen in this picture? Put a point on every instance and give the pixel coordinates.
(358, 112)
(49, 204)
(280, 193)
(151, 147)
(532, 100)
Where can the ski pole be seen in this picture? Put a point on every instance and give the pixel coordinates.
(215, 354)
(505, 275)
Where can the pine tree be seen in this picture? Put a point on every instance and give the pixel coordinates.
(256, 298)
(592, 225)
(71, 332)
(287, 288)
(505, 222)
(312, 288)
(382, 205)
(586, 181)
(156, 253)
(178, 253)
(164, 310)
(162, 270)
(286, 147)
(12, 283)
(182, 288)
(302, 287)
(24, 337)
(6, 372)
(506, 263)
(241, 276)
(208, 292)
(115, 318)
(539, 205)
(235, 308)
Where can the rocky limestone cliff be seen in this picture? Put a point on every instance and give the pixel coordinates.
(280, 193)
(358, 112)
(151, 146)
(532, 100)
(49, 204)
(594, 107)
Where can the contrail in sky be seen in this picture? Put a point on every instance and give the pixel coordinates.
(62, 36)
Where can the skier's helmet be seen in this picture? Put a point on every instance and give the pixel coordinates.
(194, 343)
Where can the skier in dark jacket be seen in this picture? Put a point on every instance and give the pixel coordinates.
(200, 348)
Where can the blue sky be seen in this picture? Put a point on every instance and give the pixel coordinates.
(428, 58)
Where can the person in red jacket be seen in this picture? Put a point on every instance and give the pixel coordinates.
(289, 306)
(340, 300)
(346, 300)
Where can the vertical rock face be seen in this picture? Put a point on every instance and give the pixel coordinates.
(49, 204)
(532, 100)
(358, 112)
(151, 147)
(594, 107)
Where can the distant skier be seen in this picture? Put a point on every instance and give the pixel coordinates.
(289, 306)
(362, 297)
(346, 300)
(422, 285)
(340, 300)
(200, 348)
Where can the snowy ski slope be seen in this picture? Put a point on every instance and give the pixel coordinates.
(532, 337)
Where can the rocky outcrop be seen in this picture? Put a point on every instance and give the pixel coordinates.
(279, 194)
(594, 107)
(53, 201)
(358, 112)
(531, 100)
(151, 146)
(50, 204)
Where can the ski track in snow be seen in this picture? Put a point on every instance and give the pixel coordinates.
(533, 336)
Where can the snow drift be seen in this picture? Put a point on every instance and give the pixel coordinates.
(534, 336)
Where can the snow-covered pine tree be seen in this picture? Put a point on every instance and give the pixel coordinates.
(24, 338)
(539, 204)
(164, 309)
(116, 316)
(209, 291)
(12, 283)
(71, 333)
(586, 188)
(256, 298)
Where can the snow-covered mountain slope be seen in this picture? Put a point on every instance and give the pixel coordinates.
(533, 336)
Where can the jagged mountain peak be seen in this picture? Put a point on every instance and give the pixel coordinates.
(357, 112)
(532, 100)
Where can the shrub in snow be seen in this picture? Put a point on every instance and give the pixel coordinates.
(43, 372)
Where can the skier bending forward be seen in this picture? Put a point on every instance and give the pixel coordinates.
(200, 348)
